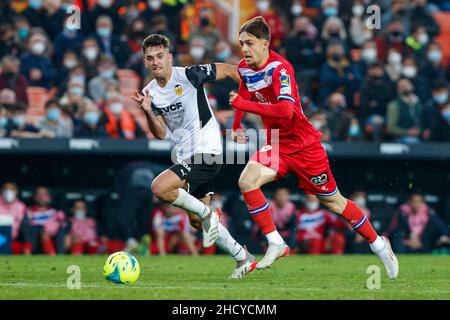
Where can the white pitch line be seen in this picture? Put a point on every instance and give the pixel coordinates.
(46, 285)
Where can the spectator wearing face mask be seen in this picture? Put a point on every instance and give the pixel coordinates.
(7, 98)
(11, 206)
(440, 131)
(82, 237)
(394, 65)
(4, 119)
(333, 31)
(358, 31)
(68, 63)
(369, 56)
(206, 31)
(69, 38)
(329, 8)
(119, 122)
(106, 75)
(54, 122)
(277, 32)
(90, 57)
(431, 68)
(376, 93)
(420, 16)
(338, 74)
(340, 119)
(90, 125)
(8, 43)
(319, 121)
(35, 65)
(283, 214)
(392, 40)
(110, 44)
(396, 10)
(75, 99)
(433, 107)
(404, 114)
(410, 71)
(302, 48)
(107, 8)
(46, 224)
(417, 228)
(19, 128)
(136, 33)
(418, 41)
(11, 78)
(318, 230)
(22, 27)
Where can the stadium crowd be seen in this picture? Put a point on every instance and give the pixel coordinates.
(356, 83)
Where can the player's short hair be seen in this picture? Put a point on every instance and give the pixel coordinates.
(257, 27)
(155, 40)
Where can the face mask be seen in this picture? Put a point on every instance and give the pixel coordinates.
(358, 10)
(9, 195)
(104, 32)
(104, 3)
(394, 58)
(330, 11)
(435, 56)
(317, 124)
(296, 10)
(423, 39)
(154, 4)
(79, 214)
(197, 53)
(204, 22)
(446, 114)
(441, 98)
(19, 121)
(3, 122)
(311, 206)
(90, 53)
(409, 71)
(70, 63)
(263, 6)
(369, 55)
(360, 201)
(224, 55)
(23, 33)
(35, 4)
(38, 48)
(336, 57)
(396, 36)
(116, 107)
(91, 117)
(353, 131)
(53, 114)
(107, 74)
(77, 91)
(78, 78)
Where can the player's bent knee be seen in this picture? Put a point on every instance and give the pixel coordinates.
(246, 184)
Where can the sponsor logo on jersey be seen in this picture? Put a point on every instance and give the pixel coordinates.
(285, 82)
(172, 107)
(320, 179)
(207, 68)
(178, 90)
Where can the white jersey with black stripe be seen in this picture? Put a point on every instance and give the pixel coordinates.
(184, 105)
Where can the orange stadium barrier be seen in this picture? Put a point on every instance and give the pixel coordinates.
(37, 97)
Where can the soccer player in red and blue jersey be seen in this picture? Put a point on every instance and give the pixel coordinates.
(268, 88)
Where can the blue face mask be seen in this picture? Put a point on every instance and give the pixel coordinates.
(53, 114)
(19, 121)
(446, 114)
(3, 122)
(441, 98)
(107, 74)
(353, 131)
(104, 32)
(35, 4)
(91, 117)
(435, 56)
(224, 55)
(330, 11)
(23, 33)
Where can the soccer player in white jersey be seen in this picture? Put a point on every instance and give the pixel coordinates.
(176, 100)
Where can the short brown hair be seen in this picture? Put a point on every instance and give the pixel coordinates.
(155, 40)
(258, 27)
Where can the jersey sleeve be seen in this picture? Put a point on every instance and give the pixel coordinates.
(200, 73)
(283, 78)
(155, 110)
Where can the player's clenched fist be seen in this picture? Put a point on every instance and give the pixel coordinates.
(233, 96)
(143, 101)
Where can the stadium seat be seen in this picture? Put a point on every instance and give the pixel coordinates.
(37, 97)
(128, 79)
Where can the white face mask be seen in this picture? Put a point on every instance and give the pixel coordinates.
(296, 9)
(38, 48)
(77, 91)
(409, 71)
(70, 63)
(394, 58)
(263, 6)
(116, 107)
(9, 195)
(197, 53)
(423, 38)
(154, 4)
(369, 55)
(311, 206)
(90, 53)
(360, 201)
(104, 3)
(79, 214)
(358, 10)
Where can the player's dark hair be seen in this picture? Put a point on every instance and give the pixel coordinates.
(155, 40)
(257, 27)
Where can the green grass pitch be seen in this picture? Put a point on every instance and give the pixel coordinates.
(205, 277)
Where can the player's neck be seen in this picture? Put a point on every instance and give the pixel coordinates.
(162, 81)
(264, 60)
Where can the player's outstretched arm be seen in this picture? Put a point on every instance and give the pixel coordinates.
(155, 123)
(227, 70)
(282, 110)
